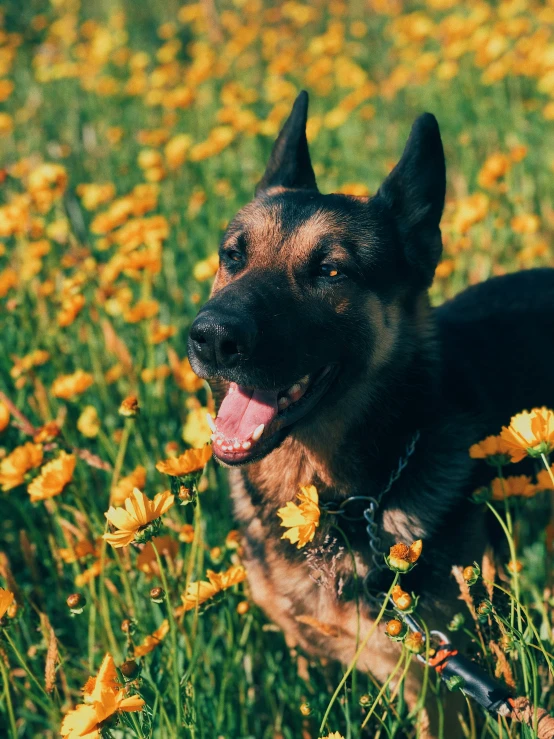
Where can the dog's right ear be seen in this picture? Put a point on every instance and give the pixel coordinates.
(289, 164)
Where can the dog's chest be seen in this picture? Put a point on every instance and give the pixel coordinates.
(305, 594)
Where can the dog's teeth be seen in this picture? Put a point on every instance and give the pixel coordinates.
(218, 440)
(304, 380)
(246, 445)
(211, 422)
(258, 432)
(236, 445)
(283, 402)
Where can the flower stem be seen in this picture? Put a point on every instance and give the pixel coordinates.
(386, 684)
(8, 698)
(512, 548)
(359, 651)
(173, 630)
(23, 664)
(548, 468)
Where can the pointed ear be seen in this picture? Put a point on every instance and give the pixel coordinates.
(414, 193)
(289, 164)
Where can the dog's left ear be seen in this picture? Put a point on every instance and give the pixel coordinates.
(414, 193)
(289, 164)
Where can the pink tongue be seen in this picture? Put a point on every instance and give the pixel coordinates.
(243, 410)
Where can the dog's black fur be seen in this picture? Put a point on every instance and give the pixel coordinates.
(455, 373)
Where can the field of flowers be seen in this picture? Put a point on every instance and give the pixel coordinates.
(130, 132)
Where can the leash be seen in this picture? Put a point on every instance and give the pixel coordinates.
(457, 670)
(344, 508)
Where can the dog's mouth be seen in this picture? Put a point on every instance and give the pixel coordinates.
(252, 422)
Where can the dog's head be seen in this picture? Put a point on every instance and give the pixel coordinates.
(315, 293)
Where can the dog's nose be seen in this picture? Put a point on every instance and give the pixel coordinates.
(222, 341)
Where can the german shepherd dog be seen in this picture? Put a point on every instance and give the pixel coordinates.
(327, 360)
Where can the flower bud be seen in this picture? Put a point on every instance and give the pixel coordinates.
(403, 557)
(130, 669)
(129, 407)
(157, 595)
(515, 567)
(414, 642)
(127, 626)
(484, 608)
(471, 574)
(365, 700)
(243, 607)
(394, 627)
(457, 622)
(401, 599)
(76, 603)
(455, 682)
(305, 709)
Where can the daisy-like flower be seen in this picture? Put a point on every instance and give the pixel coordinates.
(544, 479)
(333, 735)
(15, 466)
(67, 386)
(403, 557)
(133, 519)
(494, 449)
(193, 460)
(103, 698)
(199, 592)
(152, 640)
(516, 485)
(81, 548)
(54, 476)
(530, 433)
(6, 599)
(301, 520)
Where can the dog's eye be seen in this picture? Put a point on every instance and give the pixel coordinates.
(328, 269)
(234, 255)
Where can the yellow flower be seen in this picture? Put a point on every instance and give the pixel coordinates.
(333, 735)
(193, 460)
(530, 433)
(507, 487)
(186, 533)
(403, 557)
(401, 599)
(15, 466)
(88, 422)
(89, 574)
(196, 431)
(138, 512)
(201, 591)
(6, 599)
(491, 447)
(124, 488)
(152, 640)
(4, 416)
(104, 697)
(54, 476)
(80, 549)
(67, 386)
(301, 520)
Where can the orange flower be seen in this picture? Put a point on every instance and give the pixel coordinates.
(403, 557)
(104, 697)
(401, 599)
(139, 511)
(6, 599)
(152, 640)
(88, 422)
(544, 480)
(93, 571)
(186, 533)
(15, 466)
(48, 432)
(495, 167)
(124, 488)
(301, 520)
(80, 549)
(147, 561)
(530, 433)
(4, 416)
(54, 476)
(492, 448)
(193, 460)
(508, 487)
(67, 386)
